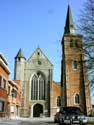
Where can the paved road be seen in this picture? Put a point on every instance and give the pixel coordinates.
(42, 121)
(39, 123)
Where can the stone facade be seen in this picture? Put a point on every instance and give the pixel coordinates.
(35, 75)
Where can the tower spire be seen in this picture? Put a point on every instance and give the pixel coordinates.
(69, 24)
(20, 54)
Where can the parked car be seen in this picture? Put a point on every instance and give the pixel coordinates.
(72, 115)
(56, 117)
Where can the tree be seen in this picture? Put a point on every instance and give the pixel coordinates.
(86, 27)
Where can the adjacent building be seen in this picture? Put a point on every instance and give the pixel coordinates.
(14, 98)
(10, 93)
(4, 76)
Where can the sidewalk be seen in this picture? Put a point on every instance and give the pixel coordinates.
(9, 122)
(18, 121)
(90, 120)
(35, 119)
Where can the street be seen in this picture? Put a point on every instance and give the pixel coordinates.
(42, 123)
(34, 121)
(39, 123)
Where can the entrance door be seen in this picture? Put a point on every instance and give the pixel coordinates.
(37, 110)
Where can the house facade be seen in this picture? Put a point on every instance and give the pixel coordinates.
(10, 94)
(4, 76)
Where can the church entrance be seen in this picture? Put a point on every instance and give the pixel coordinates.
(37, 110)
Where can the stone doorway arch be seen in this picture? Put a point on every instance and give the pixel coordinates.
(37, 110)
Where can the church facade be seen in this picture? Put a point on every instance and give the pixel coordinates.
(35, 75)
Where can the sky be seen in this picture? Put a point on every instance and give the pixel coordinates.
(29, 24)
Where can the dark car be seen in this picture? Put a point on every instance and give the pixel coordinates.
(71, 115)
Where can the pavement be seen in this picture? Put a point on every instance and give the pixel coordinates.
(17, 121)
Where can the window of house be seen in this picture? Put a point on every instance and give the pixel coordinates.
(1, 106)
(77, 99)
(4, 83)
(14, 93)
(9, 90)
(58, 101)
(0, 80)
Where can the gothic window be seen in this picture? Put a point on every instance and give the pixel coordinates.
(38, 87)
(34, 88)
(77, 99)
(58, 101)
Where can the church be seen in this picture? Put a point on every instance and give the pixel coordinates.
(40, 94)
(35, 75)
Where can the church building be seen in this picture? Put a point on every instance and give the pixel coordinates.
(35, 75)
(40, 94)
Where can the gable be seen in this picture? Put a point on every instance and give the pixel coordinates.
(38, 58)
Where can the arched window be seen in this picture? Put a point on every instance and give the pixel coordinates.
(77, 99)
(38, 87)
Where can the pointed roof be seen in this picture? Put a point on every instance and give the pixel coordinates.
(20, 54)
(38, 50)
(69, 25)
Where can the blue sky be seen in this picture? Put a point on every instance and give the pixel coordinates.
(28, 24)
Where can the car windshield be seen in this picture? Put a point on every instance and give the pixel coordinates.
(72, 110)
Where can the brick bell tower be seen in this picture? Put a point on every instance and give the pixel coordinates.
(74, 83)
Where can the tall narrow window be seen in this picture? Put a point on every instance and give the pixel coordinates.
(41, 88)
(0, 81)
(34, 88)
(75, 65)
(58, 101)
(77, 99)
(1, 106)
(38, 87)
(4, 82)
